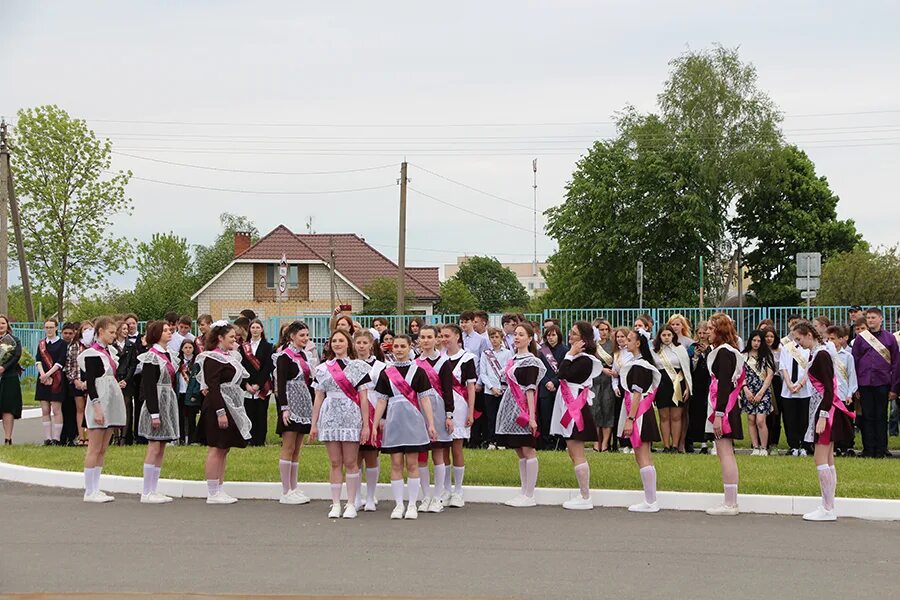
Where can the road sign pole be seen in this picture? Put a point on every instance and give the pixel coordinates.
(808, 270)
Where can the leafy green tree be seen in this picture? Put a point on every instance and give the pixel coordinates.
(789, 210)
(69, 199)
(493, 285)
(108, 302)
(861, 276)
(382, 293)
(213, 258)
(44, 303)
(165, 277)
(455, 298)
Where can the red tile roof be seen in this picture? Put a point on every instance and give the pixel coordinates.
(280, 240)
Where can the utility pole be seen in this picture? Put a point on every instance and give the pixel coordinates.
(534, 263)
(4, 224)
(640, 283)
(401, 254)
(6, 183)
(740, 277)
(701, 287)
(331, 267)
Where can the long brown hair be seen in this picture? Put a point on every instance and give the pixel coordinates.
(723, 332)
(351, 352)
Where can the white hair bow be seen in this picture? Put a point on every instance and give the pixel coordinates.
(220, 323)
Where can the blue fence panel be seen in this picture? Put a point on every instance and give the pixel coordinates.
(30, 338)
(891, 316)
(618, 317)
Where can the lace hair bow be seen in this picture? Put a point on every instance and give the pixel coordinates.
(220, 323)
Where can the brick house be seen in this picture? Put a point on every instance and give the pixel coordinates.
(251, 279)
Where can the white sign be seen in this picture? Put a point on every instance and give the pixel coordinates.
(809, 263)
(282, 284)
(808, 295)
(808, 283)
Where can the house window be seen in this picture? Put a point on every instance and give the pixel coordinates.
(272, 276)
(530, 285)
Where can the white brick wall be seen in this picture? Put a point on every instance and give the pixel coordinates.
(235, 284)
(320, 287)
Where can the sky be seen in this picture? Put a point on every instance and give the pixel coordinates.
(308, 109)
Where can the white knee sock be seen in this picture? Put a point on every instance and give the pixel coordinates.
(424, 481)
(439, 472)
(97, 471)
(583, 475)
(88, 481)
(458, 474)
(447, 483)
(531, 475)
(412, 490)
(295, 468)
(522, 475)
(212, 487)
(826, 485)
(371, 484)
(156, 472)
(45, 425)
(336, 493)
(352, 480)
(284, 469)
(730, 494)
(56, 431)
(148, 478)
(648, 478)
(397, 489)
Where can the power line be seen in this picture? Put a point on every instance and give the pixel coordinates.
(208, 168)
(260, 192)
(444, 202)
(469, 187)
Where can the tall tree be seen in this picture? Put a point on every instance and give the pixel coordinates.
(213, 258)
(165, 277)
(788, 210)
(861, 276)
(382, 293)
(69, 199)
(455, 298)
(494, 286)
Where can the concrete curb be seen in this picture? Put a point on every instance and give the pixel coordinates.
(861, 508)
(31, 413)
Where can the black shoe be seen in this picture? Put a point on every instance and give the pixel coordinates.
(704, 450)
(690, 449)
(7, 442)
(48, 442)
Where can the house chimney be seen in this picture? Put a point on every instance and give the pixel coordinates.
(241, 242)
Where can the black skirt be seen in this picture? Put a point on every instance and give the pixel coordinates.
(210, 434)
(439, 445)
(737, 427)
(11, 395)
(517, 441)
(406, 449)
(650, 428)
(589, 432)
(280, 427)
(666, 392)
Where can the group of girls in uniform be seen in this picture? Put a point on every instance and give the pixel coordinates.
(421, 405)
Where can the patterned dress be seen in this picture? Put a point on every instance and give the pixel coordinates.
(158, 391)
(340, 419)
(755, 381)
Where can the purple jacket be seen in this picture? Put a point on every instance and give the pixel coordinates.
(871, 368)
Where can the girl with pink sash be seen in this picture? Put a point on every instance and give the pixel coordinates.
(517, 425)
(726, 369)
(830, 419)
(293, 396)
(637, 421)
(409, 426)
(369, 352)
(572, 417)
(458, 377)
(340, 417)
(431, 361)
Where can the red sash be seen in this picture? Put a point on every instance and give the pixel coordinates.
(732, 399)
(402, 385)
(56, 378)
(165, 357)
(337, 373)
(573, 405)
(644, 405)
(266, 387)
(112, 363)
(518, 394)
(433, 376)
(298, 358)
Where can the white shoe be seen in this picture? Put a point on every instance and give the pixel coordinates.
(578, 503)
(723, 511)
(713, 450)
(425, 504)
(644, 507)
(802, 451)
(154, 498)
(302, 498)
(220, 498)
(795, 452)
(335, 512)
(820, 514)
(521, 501)
(492, 447)
(369, 507)
(98, 497)
(358, 504)
(456, 500)
(397, 513)
(437, 506)
(755, 452)
(411, 512)
(291, 498)
(349, 511)
(445, 497)
(763, 452)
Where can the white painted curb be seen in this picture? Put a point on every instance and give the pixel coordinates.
(31, 413)
(860, 508)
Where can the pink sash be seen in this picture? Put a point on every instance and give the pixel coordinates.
(402, 385)
(433, 376)
(573, 405)
(732, 399)
(460, 389)
(337, 374)
(551, 360)
(165, 357)
(836, 402)
(298, 358)
(644, 405)
(518, 394)
(113, 364)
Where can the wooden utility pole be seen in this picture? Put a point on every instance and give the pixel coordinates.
(331, 267)
(8, 199)
(4, 225)
(401, 253)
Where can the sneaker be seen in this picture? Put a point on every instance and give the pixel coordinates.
(425, 504)
(369, 507)
(359, 503)
(644, 507)
(303, 498)
(291, 498)
(624, 449)
(349, 511)
(335, 512)
(521, 502)
(155, 498)
(98, 498)
(763, 452)
(723, 511)
(578, 503)
(445, 497)
(456, 500)
(220, 498)
(802, 451)
(411, 512)
(492, 446)
(820, 514)
(795, 452)
(713, 451)
(704, 450)
(437, 506)
(397, 513)
(755, 452)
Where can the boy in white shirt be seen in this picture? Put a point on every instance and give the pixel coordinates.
(492, 378)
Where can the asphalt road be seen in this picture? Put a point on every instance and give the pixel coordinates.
(52, 542)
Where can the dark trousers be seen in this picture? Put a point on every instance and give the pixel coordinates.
(478, 432)
(129, 417)
(773, 419)
(137, 404)
(894, 419)
(545, 411)
(70, 427)
(796, 421)
(873, 426)
(258, 412)
(187, 420)
(491, 406)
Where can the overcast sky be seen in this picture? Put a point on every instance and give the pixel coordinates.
(471, 91)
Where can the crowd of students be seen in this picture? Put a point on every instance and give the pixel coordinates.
(434, 390)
